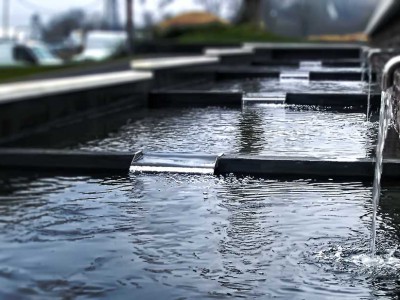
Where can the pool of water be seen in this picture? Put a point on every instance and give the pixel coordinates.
(274, 130)
(267, 86)
(192, 237)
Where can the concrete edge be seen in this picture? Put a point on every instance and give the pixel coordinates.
(98, 162)
(301, 167)
(335, 75)
(193, 98)
(224, 73)
(332, 99)
(227, 51)
(299, 46)
(171, 62)
(48, 159)
(40, 88)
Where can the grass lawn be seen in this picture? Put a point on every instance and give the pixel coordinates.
(20, 73)
(9, 73)
(226, 34)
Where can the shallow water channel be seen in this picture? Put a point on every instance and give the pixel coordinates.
(274, 130)
(193, 237)
(268, 86)
(165, 236)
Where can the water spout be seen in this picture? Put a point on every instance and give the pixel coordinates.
(388, 72)
(384, 123)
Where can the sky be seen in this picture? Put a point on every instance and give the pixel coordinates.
(21, 10)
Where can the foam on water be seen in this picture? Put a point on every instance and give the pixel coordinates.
(384, 264)
(356, 261)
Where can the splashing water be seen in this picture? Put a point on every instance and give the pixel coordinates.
(364, 63)
(369, 90)
(385, 118)
(386, 263)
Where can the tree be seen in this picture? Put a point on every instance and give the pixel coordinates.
(251, 12)
(61, 26)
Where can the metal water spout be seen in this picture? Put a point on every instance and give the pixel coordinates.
(388, 72)
(385, 117)
(373, 52)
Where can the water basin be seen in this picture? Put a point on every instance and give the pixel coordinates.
(265, 85)
(195, 237)
(257, 130)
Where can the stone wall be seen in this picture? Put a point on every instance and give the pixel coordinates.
(396, 101)
(388, 37)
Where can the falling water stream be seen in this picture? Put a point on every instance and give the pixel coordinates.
(384, 123)
(369, 90)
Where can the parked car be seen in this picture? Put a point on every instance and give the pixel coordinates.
(100, 45)
(32, 53)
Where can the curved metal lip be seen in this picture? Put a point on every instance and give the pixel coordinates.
(388, 72)
(372, 52)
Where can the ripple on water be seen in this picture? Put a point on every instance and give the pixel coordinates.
(262, 85)
(261, 130)
(187, 236)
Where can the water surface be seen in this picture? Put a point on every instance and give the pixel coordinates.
(267, 86)
(190, 237)
(257, 130)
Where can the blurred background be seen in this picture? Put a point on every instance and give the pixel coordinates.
(52, 33)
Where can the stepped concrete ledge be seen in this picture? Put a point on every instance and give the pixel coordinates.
(49, 159)
(227, 51)
(299, 46)
(193, 98)
(273, 166)
(22, 90)
(304, 167)
(172, 62)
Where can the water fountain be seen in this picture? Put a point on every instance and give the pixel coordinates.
(371, 54)
(384, 122)
(364, 61)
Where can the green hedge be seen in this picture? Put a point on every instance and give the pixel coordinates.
(220, 33)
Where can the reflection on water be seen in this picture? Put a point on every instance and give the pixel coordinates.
(250, 131)
(257, 130)
(195, 237)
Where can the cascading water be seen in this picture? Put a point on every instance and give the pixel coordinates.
(369, 90)
(384, 123)
(364, 63)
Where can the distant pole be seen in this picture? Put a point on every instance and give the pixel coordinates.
(304, 18)
(129, 26)
(6, 17)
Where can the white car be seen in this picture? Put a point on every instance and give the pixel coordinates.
(100, 45)
(33, 53)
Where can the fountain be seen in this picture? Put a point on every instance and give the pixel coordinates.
(384, 122)
(370, 56)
